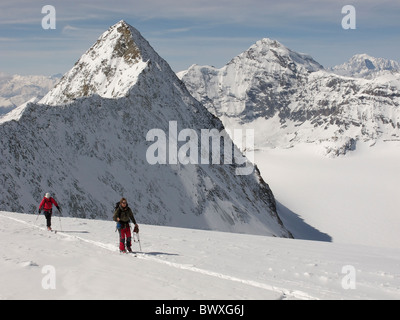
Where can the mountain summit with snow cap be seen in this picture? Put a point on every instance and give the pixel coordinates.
(109, 68)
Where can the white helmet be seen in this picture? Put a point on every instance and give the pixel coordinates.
(47, 195)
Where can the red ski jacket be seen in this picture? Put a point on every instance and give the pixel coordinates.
(47, 204)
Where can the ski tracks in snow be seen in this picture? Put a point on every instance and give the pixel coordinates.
(285, 293)
(282, 292)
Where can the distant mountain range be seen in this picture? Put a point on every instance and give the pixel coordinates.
(367, 67)
(16, 89)
(289, 98)
(300, 100)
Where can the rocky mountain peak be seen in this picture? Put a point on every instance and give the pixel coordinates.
(268, 52)
(125, 46)
(109, 68)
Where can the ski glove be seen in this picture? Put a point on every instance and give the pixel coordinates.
(136, 228)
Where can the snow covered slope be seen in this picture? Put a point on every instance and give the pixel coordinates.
(83, 262)
(288, 98)
(350, 199)
(86, 144)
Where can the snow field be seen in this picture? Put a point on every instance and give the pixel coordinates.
(179, 263)
(351, 199)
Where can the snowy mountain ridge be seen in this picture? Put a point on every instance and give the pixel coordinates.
(365, 66)
(85, 142)
(289, 99)
(231, 84)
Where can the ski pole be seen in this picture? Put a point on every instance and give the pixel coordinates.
(59, 217)
(37, 216)
(138, 240)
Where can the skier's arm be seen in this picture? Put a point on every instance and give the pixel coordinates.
(55, 203)
(116, 215)
(136, 228)
(131, 216)
(41, 205)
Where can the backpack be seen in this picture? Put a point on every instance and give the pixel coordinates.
(46, 201)
(114, 216)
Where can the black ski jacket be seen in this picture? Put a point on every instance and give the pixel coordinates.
(124, 215)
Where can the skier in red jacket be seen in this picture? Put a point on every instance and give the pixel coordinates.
(47, 204)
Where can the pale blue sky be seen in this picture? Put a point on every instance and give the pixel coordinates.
(208, 32)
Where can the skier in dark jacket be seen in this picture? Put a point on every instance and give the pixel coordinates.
(47, 205)
(123, 215)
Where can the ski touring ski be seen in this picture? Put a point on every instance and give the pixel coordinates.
(128, 253)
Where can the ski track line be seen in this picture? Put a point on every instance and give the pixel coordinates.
(297, 294)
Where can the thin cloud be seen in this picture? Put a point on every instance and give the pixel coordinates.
(250, 12)
(68, 29)
(200, 31)
(4, 39)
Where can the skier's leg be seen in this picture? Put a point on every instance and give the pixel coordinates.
(47, 214)
(121, 239)
(128, 238)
